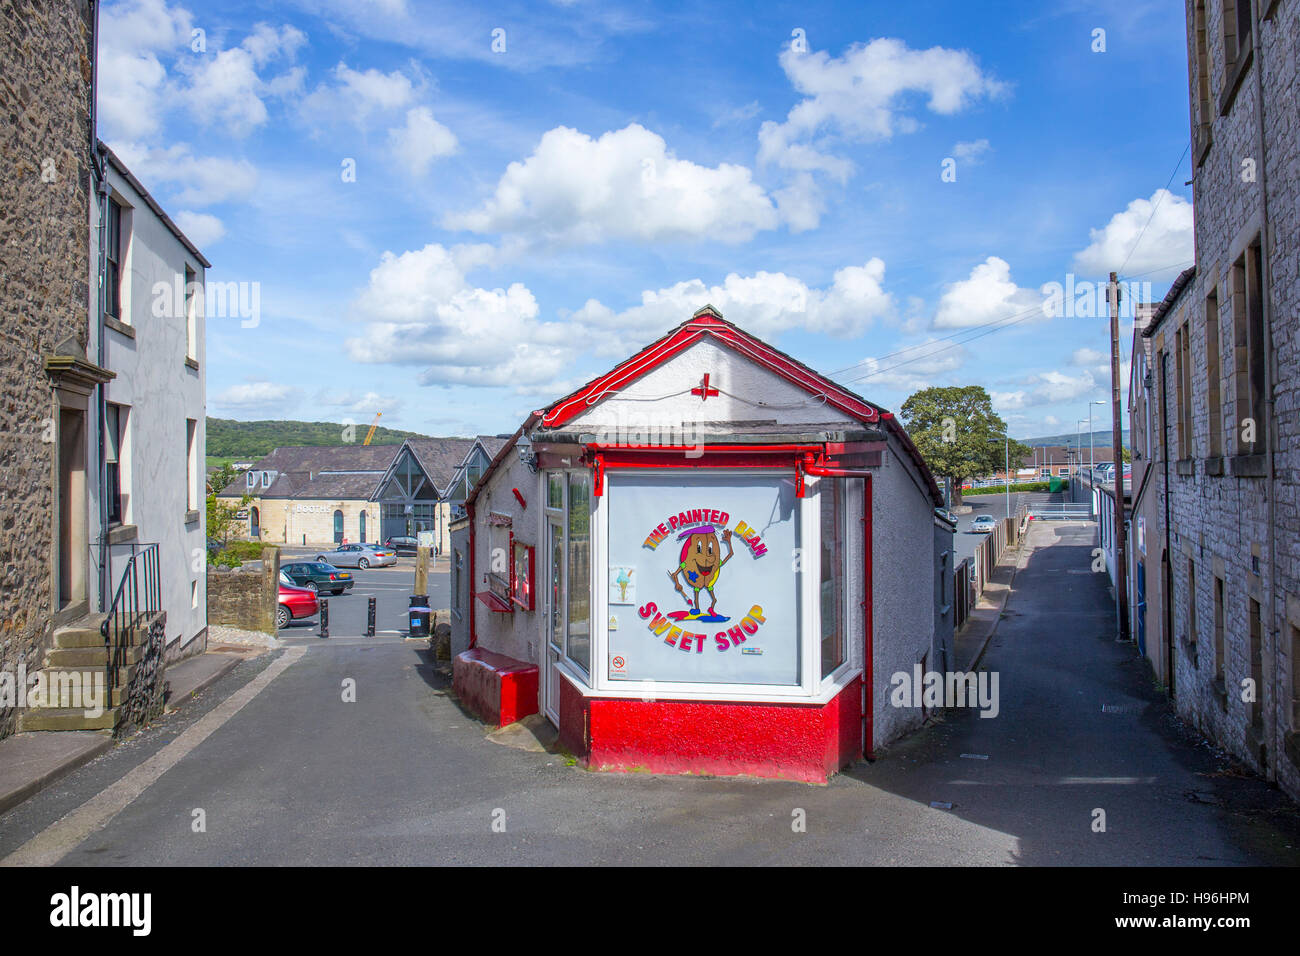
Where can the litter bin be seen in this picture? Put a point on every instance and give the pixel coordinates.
(419, 621)
(418, 600)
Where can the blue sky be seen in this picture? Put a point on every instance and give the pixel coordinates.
(542, 188)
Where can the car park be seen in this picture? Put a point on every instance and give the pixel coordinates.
(318, 576)
(983, 524)
(294, 602)
(359, 556)
(402, 544)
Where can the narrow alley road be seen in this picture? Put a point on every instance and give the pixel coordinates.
(299, 775)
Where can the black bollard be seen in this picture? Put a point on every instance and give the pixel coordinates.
(324, 618)
(370, 617)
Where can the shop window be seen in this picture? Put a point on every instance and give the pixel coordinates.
(831, 496)
(702, 585)
(577, 648)
(555, 490)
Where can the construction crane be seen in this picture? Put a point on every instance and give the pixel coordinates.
(373, 425)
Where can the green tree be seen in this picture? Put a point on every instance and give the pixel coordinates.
(958, 433)
(222, 520)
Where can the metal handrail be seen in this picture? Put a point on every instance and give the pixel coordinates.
(128, 611)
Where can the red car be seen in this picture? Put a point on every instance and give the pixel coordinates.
(295, 602)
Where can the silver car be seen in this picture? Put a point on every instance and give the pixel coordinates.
(359, 556)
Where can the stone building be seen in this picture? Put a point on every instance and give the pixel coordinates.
(325, 495)
(46, 138)
(1224, 382)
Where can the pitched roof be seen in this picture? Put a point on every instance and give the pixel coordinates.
(352, 471)
(708, 322)
(152, 203)
(1175, 291)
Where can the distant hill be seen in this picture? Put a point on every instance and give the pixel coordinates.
(246, 441)
(1099, 438)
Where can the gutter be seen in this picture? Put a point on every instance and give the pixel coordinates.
(100, 187)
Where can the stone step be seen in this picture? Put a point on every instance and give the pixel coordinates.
(75, 686)
(67, 718)
(91, 656)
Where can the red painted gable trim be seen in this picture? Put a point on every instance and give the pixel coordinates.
(566, 409)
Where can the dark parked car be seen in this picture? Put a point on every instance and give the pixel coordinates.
(403, 544)
(295, 602)
(316, 576)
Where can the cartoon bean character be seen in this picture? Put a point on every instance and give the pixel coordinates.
(700, 563)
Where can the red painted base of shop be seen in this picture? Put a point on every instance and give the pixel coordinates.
(804, 742)
(498, 689)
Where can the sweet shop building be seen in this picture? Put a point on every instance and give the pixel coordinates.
(710, 559)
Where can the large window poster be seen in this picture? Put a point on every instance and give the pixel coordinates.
(711, 559)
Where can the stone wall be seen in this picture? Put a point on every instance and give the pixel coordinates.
(246, 599)
(142, 700)
(1221, 527)
(44, 291)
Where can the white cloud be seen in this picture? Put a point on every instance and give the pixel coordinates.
(357, 94)
(360, 406)
(227, 87)
(422, 140)
(421, 310)
(194, 180)
(1168, 244)
(971, 151)
(257, 395)
(624, 185)
(987, 295)
(911, 368)
(863, 96)
(1086, 356)
(765, 304)
(132, 79)
(202, 229)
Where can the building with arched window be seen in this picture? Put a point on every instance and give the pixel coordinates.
(321, 495)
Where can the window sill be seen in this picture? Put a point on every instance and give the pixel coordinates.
(1238, 73)
(119, 327)
(1186, 466)
(191, 363)
(123, 533)
(192, 517)
(1249, 466)
(1214, 466)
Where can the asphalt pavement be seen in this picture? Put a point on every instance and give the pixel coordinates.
(391, 588)
(308, 771)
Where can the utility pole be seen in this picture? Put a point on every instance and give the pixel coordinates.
(1117, 446)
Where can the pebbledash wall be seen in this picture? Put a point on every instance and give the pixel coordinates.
(1234, 510)
(45, 95)
(775, 729)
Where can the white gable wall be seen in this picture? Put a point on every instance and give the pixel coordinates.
(747, 393)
